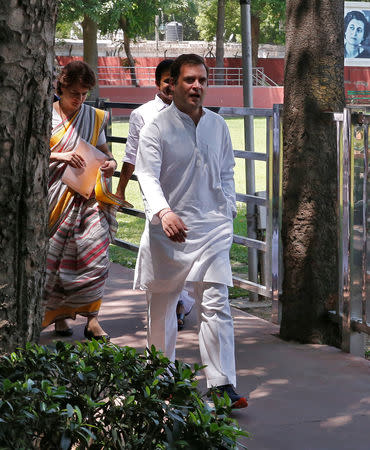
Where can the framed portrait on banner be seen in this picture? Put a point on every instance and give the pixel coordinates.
(357, 34)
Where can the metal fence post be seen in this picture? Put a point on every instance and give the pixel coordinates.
(345, 238)
(275, 208)
(249, 135)
(352, 341)
(366, 231)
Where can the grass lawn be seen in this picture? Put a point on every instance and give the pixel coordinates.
(131, 228)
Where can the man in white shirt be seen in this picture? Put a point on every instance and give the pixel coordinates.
(138, 118)
(185, 170)
(142, 115)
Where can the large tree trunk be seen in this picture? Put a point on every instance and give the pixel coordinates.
(26, 67)
(126, 45)
(90, 46)
(313, 85)
(219, 72)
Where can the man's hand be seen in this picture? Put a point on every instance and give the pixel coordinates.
(172, 225)
(126, 172)
(120, 193)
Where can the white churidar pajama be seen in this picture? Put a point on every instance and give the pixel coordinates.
(189, 169)
(215, 329)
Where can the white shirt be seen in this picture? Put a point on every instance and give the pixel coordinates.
(188, 168)
(138, 118)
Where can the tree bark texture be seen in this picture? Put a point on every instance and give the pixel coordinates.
(313, 86)
(126, 45)
(26, 66)
(220, 30)
(90, 48)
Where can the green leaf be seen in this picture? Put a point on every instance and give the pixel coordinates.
(175, 416)
(65, 442)
(129, 399)
(70, 410)
(29, 384)
(78, 413)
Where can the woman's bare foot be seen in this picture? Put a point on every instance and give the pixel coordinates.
(93, 327)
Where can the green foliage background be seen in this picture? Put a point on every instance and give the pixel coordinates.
(271, 15)
(198, 17)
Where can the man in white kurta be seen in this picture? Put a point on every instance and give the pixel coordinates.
(185, 170)
(138, 118)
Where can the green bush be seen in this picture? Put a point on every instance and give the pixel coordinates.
(96, 395)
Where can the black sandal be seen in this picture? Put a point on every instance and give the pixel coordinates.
(64, 333)
(90, 335)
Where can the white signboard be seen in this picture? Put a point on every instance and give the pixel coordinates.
(357, 34)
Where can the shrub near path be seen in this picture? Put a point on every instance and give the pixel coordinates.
(96, 395)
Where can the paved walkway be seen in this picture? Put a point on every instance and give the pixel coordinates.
(301, 397)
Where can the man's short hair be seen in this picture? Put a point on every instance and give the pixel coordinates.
(186, 58)
(163, 66)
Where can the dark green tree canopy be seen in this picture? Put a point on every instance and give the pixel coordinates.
(138, 14)
(198, 17)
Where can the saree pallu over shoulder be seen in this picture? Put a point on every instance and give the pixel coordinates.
(80, 230)
(87, 123)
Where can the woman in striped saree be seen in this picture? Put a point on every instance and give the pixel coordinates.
(80, 229)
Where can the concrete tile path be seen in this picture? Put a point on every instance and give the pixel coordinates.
(301, 397)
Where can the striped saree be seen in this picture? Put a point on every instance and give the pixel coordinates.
(80, 229)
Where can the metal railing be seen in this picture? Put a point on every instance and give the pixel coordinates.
(358, 97)
(271, 246)
(145, 76)
(353, 308)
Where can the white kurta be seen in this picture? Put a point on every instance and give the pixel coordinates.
(189, 169)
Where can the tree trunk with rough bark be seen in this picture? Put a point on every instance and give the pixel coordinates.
(220, 30)
(126, 45)
(27, 30)
(90, 48)
(313, 86)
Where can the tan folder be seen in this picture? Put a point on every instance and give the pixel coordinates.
(82, 180)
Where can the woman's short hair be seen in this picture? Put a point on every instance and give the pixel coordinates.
(186, 58)
(76, 72)
(357, 15)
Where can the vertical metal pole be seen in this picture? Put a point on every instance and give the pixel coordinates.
(156, 21)
(339, 121)
(245, 10)
(365, 224)
(275, 202)
(352, 341)
(346, 274)
(269, 171)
